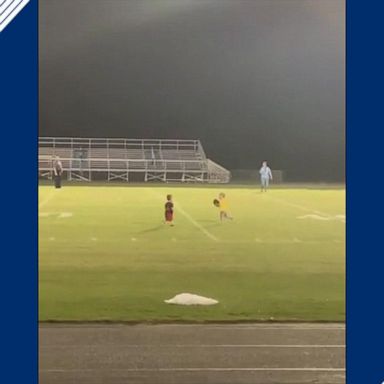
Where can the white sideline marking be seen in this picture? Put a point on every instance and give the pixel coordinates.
(195, 223)
(341, 218)
(59, 215)
(324, 218)
(64, 215)
(315, 217)
(198, 370)
(295, 240)
(44, 202)
(298, 206)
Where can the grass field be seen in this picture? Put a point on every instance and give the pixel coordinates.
(104, 253)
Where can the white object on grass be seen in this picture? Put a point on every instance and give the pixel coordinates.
(191, 299)
(325, 218)
(64, 215)
(315, 217)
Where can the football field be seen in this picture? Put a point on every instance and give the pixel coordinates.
(105, 254)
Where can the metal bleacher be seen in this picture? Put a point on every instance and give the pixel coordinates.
(130, 159)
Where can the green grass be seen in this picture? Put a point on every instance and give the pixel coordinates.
(113, 259)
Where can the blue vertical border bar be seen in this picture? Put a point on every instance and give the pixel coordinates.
(18, 159)
(365, 202)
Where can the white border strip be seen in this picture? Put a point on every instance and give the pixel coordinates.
(11, 10)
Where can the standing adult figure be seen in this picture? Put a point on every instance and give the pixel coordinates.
(57, 171)
(265, 176)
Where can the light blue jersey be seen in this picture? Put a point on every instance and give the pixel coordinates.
(265, 172)
(265, 175)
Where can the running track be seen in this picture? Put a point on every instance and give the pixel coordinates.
(192, 354)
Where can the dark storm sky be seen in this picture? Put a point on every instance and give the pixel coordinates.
(253, 79)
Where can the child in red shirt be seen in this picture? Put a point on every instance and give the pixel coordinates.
(169, 211)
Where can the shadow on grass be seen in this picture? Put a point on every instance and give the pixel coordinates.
(217, 224)
(153, 229)
(208, 221)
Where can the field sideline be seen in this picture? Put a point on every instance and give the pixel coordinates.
(104, 253)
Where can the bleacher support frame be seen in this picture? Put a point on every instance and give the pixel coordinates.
(113, 159)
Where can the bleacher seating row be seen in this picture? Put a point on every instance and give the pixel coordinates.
(157, 159)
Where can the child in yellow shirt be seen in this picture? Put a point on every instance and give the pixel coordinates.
(223, 206)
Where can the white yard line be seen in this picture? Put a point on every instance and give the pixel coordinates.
(47, 199)
(298, 206)
(180, 209)
(65, 215)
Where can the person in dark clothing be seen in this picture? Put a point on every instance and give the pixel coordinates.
(169, 211)
(57, 171)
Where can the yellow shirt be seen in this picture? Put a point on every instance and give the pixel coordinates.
(223, 204)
